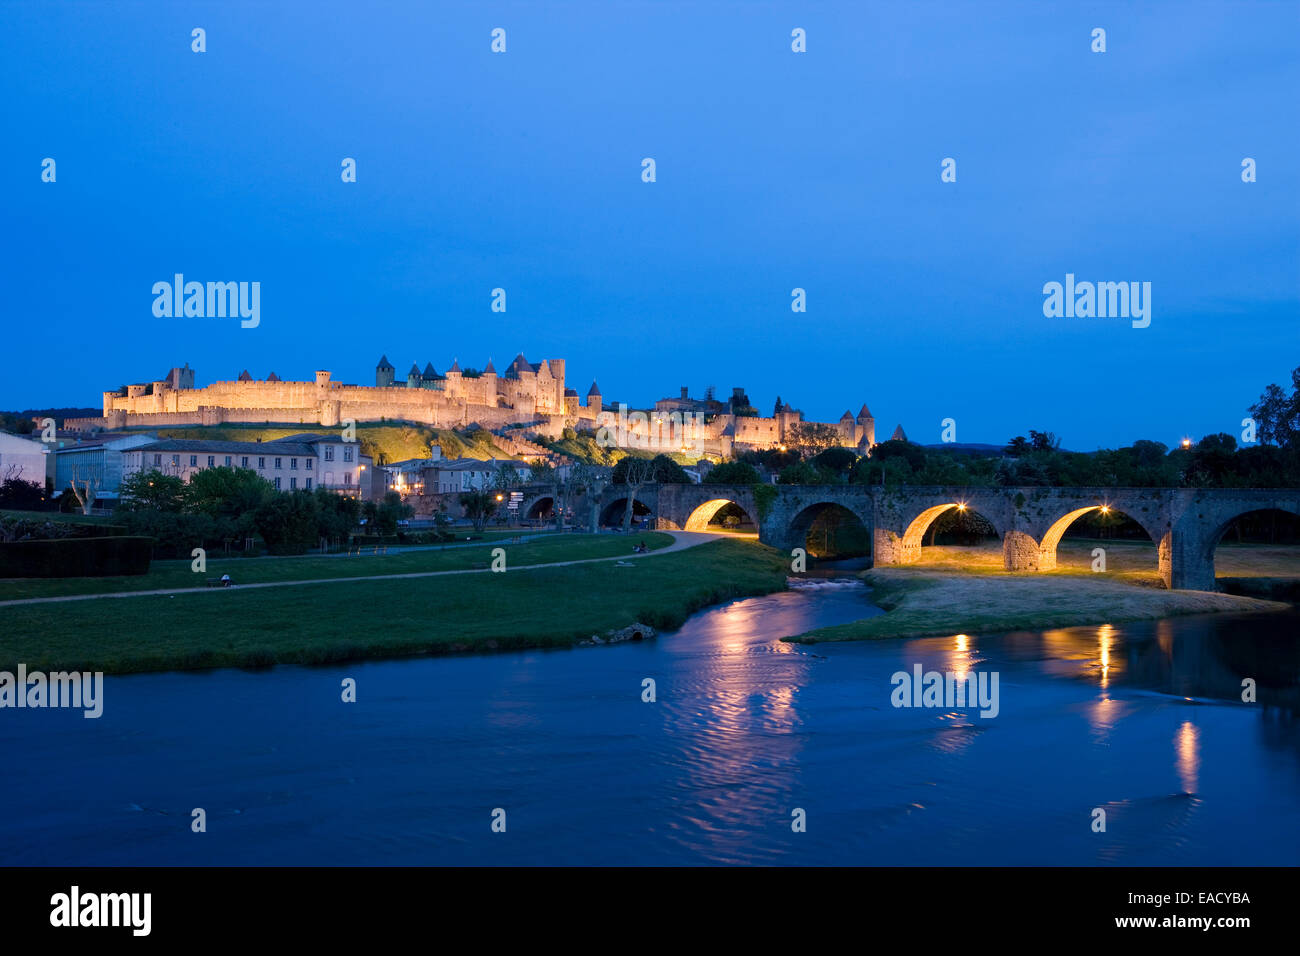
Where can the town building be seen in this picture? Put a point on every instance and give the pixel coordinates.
(294, 463)
(23, 459)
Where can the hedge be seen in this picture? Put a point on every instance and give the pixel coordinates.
(75, 557)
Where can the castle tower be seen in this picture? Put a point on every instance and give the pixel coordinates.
(866, 427)
(455, 381)
(384, 373)
(899, 434)
(413, 377)
(429, 377)
(594, 400)
(847, 428)
(557, 374)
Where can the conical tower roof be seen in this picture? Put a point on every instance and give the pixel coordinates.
(899, 434)
(864, 412)
(415, 370)
(273, 377)
(489, 369)
(455, 367)
(430, 371)
(594, 390)
(244, 376)
(383, 362)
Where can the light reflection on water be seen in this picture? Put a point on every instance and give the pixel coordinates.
(1143, 720)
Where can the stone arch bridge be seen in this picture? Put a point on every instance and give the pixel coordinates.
(1184, 523)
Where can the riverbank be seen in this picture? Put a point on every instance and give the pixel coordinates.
(956, 593)
(329, 621)
(454, 556)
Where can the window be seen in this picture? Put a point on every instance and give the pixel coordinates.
(293, 464)
(212, 460)
(278, 463)
(261, 463)
(347, 454)
(243, 462)
(329, 452)
(194, 461)
(293, 484)
(309, 484)
(228, 461)
(157, 461)
(309, 464)
(176, 460)
(277, 484)
(347, 478)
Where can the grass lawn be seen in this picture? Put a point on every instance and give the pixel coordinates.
(965, 590)
(337, 621)
(177, 574)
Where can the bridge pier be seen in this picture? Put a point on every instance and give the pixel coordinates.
(1189, 566)
(1020, 552)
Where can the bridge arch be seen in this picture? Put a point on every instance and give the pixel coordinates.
(541, 508)
(705, 512)
(829, 529)
(611, 513)
(1225, 521)
(912, 540)
(1160, 537)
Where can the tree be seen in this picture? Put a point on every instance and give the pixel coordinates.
(85, 484)
(153, 491)
(226, 492)
(591, 481)
(661, 469)
(800, 473)
(480, 505)
(336, 515)
(383, 516)
(733, 473)
(20, 495)
(1277, 415)
(288, 522)
(836, 460)
(1043, 441)
(507, 476)
(1017, 446)
(813, 435)
(636, 473)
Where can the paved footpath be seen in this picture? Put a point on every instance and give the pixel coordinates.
(681, 541)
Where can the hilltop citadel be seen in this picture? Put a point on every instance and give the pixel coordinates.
(529, 396)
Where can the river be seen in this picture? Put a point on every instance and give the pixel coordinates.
(1143, 721)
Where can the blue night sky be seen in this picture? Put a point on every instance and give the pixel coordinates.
(775, 170)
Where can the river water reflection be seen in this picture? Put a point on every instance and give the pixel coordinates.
(1142, 720)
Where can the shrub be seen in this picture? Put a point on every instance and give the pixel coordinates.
(76, 557)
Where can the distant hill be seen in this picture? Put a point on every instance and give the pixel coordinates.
(21, 422)
(968, 446)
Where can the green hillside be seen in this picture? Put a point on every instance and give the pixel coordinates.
(384, 442)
